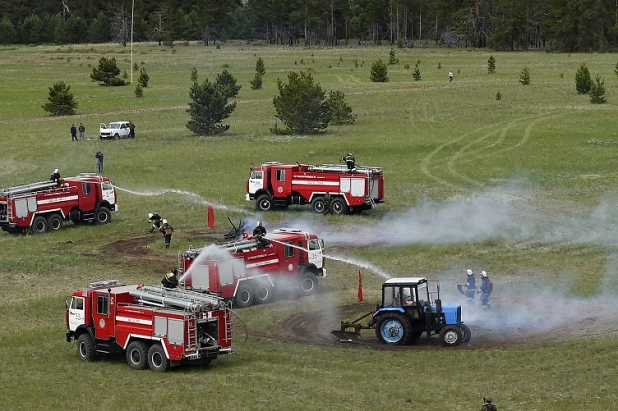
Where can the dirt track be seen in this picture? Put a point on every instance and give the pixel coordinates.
(512, 320)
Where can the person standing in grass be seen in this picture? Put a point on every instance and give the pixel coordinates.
(450, 76)
(167, 231)
(82, 130)
(99, 156)
(470, 286)
(485, 289)
(73, 133)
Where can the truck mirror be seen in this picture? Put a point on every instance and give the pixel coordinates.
(66, 305)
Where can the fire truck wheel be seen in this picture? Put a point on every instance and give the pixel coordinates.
(157, 360)
(318, 205)
(393, 329)
(264, 203)
(85, 348)
(39, 225)
(339, 206)
(137, 355)
(103, 215)
(244, 295)
(451, 336)
(308, 283)
(54, 222)
(465, 331)
(263, 293)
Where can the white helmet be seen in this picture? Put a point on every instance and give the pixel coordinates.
(56, 170)
(469, 271)
(164, 221)
(484, 273)
(259, 223)
(150, 215)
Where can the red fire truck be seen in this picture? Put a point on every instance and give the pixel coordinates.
(41, 207)
(279, 185)
(249, 271)
(154, 327)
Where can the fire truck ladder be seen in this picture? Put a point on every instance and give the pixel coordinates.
(178, 298)
(240, 245)
(342, 168)
(28, 188)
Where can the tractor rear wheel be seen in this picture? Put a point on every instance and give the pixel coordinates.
(318, 204)
(451, 335)
(339, 206)
(137, 355)
(54, 222)
(264, 203)
(465, 332)
(244, 295)
(393, 329)
(39, 225)
(85, 348)
(157, 360)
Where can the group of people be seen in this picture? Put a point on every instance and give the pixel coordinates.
(485, 288)
(160, 224)
(74, 130)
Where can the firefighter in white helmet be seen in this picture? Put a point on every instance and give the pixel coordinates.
(259, 230)
(55, 176)
(485, 289)
(470, 286)
(155, 220)
(167, 231)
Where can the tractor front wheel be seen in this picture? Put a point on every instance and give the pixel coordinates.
(393, 329)
(451, 335)
(264, 203)
(465, 332)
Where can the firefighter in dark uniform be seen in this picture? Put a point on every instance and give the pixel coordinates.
(328, 201)
(259, 230)
(485, 289)
(167, 231)
(470, 286)
(488, 405)
(155, 220)
(55, 176)
(350, 162)
(171, 279)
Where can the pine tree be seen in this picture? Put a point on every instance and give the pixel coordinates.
(61, 101)
(259, 66)
(379, 72)
(341, 112)
(208, 107)
(256, 83)
(491, 65)
(583, 82)
(227, 83)
(524, 76)
(416, 74)
(301, 104)
(8, 33)
(143, 78)
(597, 91)
(107, 73)
(391, 57)
(139, 90)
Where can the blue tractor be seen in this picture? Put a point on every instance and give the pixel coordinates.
(408, 310)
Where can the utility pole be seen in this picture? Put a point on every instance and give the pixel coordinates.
(132, 8)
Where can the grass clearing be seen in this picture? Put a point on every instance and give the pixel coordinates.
(523, 187)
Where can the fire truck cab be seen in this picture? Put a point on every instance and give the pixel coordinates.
(251, 270)
(44, 206)
(153, 326)
(279, 185)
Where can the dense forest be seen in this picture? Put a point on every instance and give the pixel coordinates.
(561, 25)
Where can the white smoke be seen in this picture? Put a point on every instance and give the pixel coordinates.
(196, 198)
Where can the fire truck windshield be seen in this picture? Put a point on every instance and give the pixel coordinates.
(314, 245)
(256, 175)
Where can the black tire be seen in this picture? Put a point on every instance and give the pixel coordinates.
(244, 295)
(137, 355)
(102, 215)
(466, 333)
(157, 360)
(451, 335)
(318, 204)
(308, 283)
(417, 332)
(264, 203)
(39, 225)
(54, 222)
(393, 329)
(116, 136)
(339, 206)
(85, 348)
(263, 293)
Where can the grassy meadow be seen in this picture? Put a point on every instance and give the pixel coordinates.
(447, 150)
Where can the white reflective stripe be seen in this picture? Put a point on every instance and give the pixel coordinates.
(261, 263)
(134, 320)
(316, 182)
(57, 200)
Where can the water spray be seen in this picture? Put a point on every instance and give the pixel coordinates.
(196, 197)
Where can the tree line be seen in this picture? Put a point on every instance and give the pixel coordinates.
(561, 25)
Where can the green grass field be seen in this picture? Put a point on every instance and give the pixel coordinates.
(523, 187)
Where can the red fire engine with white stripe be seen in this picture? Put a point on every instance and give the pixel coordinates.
(251, 270)
(153, 326)
(279, 185)
(44, 206)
